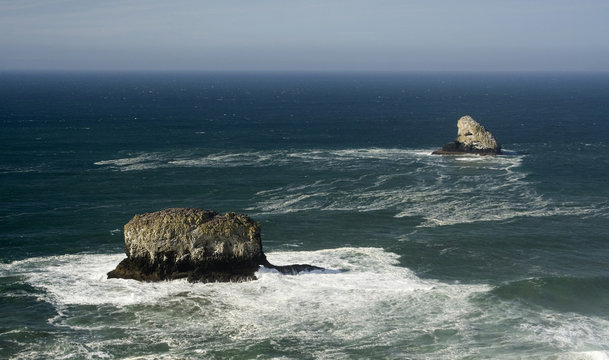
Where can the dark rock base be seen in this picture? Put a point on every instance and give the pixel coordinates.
(293, 269)
(143, 270)
(168, 269)
(457, 148)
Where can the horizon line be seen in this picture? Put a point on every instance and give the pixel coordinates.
(301, 71)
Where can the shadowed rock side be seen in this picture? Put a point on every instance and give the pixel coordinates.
(196, 244)
(472, 138)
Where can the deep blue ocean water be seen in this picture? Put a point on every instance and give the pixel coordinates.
(430, 257)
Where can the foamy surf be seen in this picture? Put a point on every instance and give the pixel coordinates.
(322, 158)
(139, 162)
(363, 288)
(81, 279)
(413, 183)
(586, 355)
(364, 301)
(442, 190)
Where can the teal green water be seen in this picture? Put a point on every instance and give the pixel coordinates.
(428, 256)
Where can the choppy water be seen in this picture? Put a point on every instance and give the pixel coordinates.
(428, 257)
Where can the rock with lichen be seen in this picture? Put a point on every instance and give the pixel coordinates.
(196, 244)
(472, 138)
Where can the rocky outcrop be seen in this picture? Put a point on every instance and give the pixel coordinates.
(472, 138)
(196, 244)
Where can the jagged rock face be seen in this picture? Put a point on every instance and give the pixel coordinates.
(471, 133)
(197, 244)
(471, 138)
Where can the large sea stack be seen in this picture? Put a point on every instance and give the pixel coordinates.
(472, 138)
(196, 244)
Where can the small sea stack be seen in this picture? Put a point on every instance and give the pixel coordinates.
(472, 138)
(196, 244)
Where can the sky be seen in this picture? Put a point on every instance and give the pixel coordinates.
(305, 35)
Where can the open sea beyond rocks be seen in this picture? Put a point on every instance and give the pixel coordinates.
(428, 256)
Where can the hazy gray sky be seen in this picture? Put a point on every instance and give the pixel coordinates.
(305, 35)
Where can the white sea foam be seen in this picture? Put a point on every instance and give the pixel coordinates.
(81, 279)
(569, 331)
(413, 183)
(483, 189)
(144, 161)
(364, 296)
(586, 355)
(324, 158)
(19, 170)
(443, 191)
(365, 301)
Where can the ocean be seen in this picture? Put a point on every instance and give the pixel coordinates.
(427, 256)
